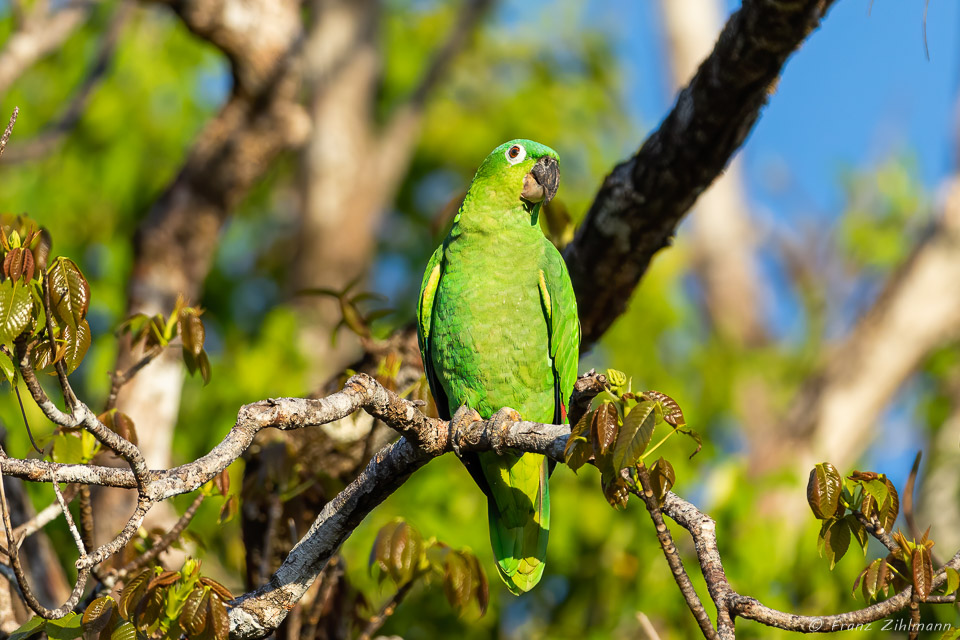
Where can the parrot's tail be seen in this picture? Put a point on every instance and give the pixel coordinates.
(519, 514)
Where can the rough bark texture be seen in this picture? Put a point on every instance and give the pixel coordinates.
(640, 203)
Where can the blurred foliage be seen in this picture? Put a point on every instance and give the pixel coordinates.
(154, 603)
(550, 78)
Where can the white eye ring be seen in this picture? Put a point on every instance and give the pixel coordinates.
(519, 154)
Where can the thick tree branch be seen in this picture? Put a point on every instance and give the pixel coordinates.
(641, 202)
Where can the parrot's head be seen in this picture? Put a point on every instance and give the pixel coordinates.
(520, 170)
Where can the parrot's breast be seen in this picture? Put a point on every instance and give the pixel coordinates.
(490, 342)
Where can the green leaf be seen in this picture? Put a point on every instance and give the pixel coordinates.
(953, 580)
(16, 306)
(634, 435)
(7, 369)
(858, 530)
(66, 628)
(836, 540)
(616, 378)
(874, 578)
(69, 292)
(823, 490)
(67, 447)
(890, 507)
(30, 628)
(124, 631)
(876, 489)
(77, 340)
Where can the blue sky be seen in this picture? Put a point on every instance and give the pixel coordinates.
(860, 89)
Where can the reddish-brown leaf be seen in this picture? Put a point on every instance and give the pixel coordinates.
(922, 572)
(823, 490)
(97, 615)
(217, 588)
(603, 430)
(193, 616)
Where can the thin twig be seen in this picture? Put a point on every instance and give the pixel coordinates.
(164, 543)
(118, 379)
(14, 554)
(873, 527)
(9, 129)
(26, 423)
(914, 617)
(385, 612)
(673, 556)
(47, 515)
(69, 518)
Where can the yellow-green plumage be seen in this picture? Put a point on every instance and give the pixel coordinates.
(498, 328)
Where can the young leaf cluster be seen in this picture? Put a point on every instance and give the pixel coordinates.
(401, 554)
(27, 288)
(156, 332)
(840, 503)
(154, 604)
(615, 434)
(352, 315)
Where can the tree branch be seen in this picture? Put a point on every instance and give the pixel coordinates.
(259, 612)
(640, 203)
(673, 556)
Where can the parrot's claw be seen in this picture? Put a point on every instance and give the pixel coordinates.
(461, 420)
(499, 423)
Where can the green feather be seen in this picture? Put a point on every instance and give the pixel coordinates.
(498, 327)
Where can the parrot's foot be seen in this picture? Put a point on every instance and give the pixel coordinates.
(460, 423)
(500, 423)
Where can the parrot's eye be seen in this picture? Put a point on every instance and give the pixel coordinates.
(516, 154)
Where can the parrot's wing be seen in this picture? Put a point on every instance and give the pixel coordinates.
(560, 309)
(428, 292)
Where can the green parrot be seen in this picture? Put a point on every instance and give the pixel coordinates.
(498, 327)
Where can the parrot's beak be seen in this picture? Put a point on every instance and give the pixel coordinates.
(540, 185)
